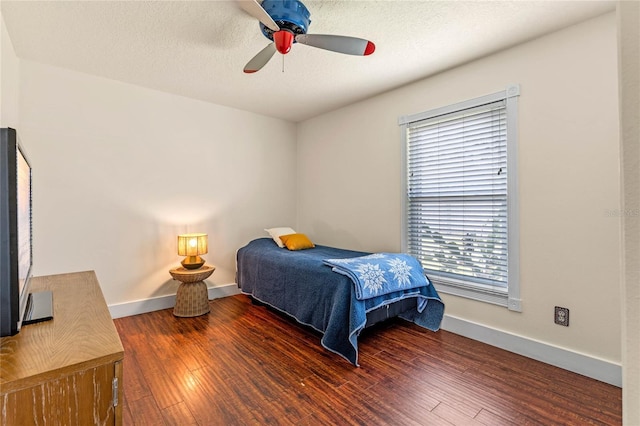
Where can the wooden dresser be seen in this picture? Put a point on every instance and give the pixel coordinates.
(67, 371)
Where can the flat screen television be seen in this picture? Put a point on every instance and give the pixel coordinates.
(16, 250)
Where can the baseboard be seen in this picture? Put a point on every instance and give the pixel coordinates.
(136, 307)
(595, 368)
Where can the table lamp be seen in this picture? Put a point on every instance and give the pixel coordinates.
(192, 246)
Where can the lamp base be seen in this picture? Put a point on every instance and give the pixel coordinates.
(192, 262)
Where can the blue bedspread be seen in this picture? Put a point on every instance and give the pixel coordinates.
(301, 285)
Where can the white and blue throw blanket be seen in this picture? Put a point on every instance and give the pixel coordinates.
(380, 273)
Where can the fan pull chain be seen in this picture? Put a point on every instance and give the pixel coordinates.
(282, 63)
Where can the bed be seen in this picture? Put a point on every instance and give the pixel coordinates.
(304, 285)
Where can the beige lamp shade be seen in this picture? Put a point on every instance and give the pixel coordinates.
(192, 246)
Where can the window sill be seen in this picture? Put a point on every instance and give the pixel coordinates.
(488, 294)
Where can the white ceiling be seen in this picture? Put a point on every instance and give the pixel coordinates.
(198, 49)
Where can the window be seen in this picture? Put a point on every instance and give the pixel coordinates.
(460, 213)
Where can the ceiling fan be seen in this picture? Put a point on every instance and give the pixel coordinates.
(285, 22)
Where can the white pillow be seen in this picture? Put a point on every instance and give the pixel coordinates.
(276, 232)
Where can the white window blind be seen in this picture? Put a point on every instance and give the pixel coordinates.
(457, 212)
(457, 189)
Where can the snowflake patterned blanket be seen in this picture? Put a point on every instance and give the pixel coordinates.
(380, 273)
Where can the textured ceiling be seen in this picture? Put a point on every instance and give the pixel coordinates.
(198, 49)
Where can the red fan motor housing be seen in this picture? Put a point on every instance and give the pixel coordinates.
(283, 40)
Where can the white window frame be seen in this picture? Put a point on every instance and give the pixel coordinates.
(509, 297)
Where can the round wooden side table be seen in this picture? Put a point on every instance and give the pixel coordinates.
(192, 298)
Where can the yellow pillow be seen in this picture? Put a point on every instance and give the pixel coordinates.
(296, 241)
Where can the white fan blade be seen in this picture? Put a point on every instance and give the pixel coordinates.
(253, 8)
(261, 59)
(340, 44)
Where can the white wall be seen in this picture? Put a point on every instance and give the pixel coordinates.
(629, 68)
(120, 171)
(9, 80)
(349, 191)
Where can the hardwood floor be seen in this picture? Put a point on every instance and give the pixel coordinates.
(244, 364)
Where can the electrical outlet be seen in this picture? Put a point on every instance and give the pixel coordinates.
(561, 316)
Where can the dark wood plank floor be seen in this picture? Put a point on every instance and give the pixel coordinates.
(244, 364)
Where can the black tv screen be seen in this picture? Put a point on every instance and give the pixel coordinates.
(16, 251)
